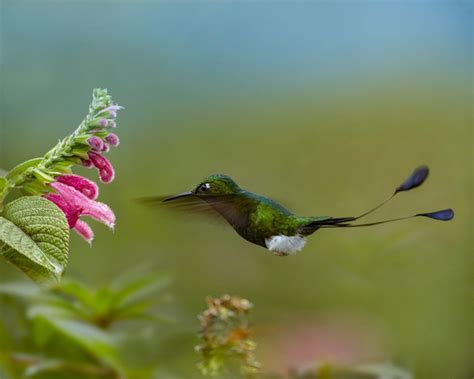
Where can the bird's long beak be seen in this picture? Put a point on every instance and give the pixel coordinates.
(179, 195)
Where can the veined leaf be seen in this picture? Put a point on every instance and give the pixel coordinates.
(44, 222)
(36, 235)
(15, 238)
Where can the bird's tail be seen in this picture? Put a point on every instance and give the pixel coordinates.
(416, 179)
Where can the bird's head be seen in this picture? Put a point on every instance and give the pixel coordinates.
(213, 185)
(217, 184)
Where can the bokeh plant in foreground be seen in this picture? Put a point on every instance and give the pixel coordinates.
(71, 331)
(228, 350)
(226, 337)
(34, 229)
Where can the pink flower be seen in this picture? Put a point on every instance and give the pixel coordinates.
(87, 163)
(112, 139)
(104, 167)
(72, 214)
(85, 186)
(110, 111)
(105, 148)
(75, 196)
(84, 230)
(96, 143)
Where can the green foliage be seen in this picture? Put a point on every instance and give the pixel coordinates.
(35, 237)
(72, 331)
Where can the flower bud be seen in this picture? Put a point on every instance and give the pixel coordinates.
(112, 139)
(96, 143)
(87, 163)
(105, 168)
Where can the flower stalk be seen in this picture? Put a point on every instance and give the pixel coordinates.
(69, 151)
(51, 175)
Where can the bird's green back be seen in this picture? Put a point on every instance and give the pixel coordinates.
(265, 218)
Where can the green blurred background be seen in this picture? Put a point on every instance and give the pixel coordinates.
(325, 106)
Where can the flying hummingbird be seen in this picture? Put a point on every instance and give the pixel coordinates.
(266, 223)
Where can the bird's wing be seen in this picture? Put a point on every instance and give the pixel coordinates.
(225, 207)
(186, 205)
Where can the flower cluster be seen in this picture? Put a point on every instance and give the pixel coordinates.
(76, 196)
(226, 336)
(51, 176)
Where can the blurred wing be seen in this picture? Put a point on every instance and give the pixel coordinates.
(228, 206)
(186, 205)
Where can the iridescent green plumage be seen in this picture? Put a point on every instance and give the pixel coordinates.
(267, 223)
(254, 217)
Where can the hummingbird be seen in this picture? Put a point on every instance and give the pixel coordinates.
(264, 222)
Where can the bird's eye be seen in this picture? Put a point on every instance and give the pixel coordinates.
(205, 187)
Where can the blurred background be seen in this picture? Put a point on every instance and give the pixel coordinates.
(324, 106)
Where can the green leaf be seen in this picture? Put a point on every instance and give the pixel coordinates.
(3, 183)
(79, 292)
(34, 188)
(62, 167)
(42, 176)
(15, 173)
(90, 338)
(37, 235)
(41, 331)
(36, 272)
(140, 288)
(43, 366)
(20, 290)
(3, 190)
(17, 239)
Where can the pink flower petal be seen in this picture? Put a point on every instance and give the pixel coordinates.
(105, 168)
(72, 213)
(84, 230)
(106, 174)
(85, 186)
(97, 159)
(114, 107)
(98, 211)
